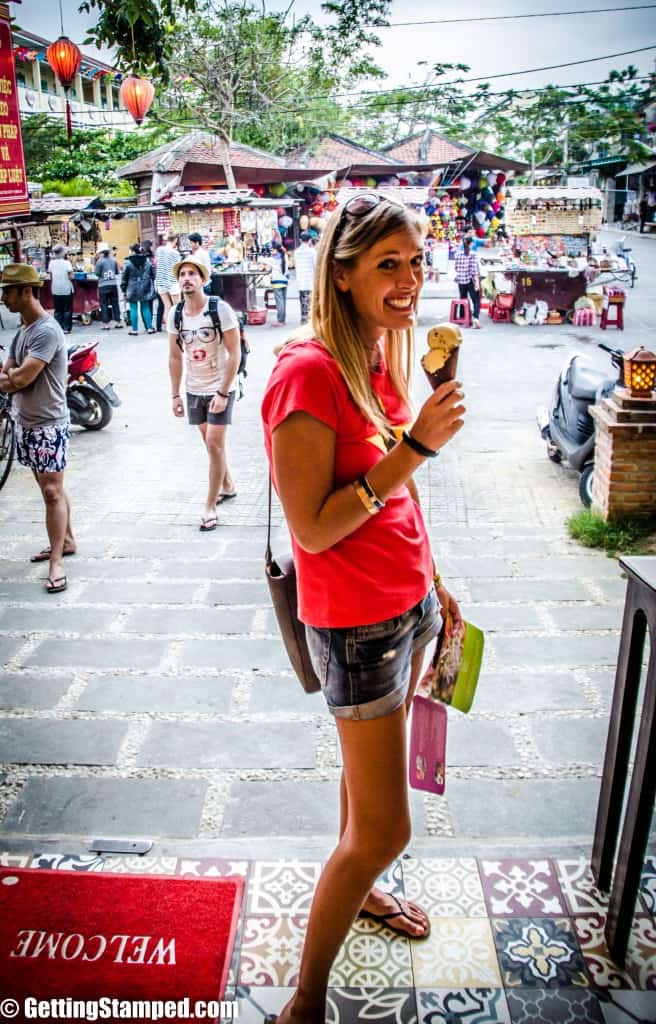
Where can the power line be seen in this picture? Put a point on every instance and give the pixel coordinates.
(513, 17)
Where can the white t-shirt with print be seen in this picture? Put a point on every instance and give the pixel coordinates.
(204, 353)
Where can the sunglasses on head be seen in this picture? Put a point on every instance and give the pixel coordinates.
(358, 206)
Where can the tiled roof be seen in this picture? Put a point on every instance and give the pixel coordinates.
(426, 147)
(337, 152)
(61, 204)
(197, 148)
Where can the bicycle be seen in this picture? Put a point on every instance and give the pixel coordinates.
(7, 438)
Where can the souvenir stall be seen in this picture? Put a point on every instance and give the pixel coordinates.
(546, 265)
(238, 228)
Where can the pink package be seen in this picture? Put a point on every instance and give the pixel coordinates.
(427, 766)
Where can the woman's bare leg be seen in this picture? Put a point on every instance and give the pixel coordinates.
(377, 830)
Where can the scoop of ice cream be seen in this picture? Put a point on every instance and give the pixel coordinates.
(443, 341)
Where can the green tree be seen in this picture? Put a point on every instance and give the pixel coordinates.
(94, 155)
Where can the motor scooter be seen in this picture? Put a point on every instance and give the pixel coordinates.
(567, 426)
(90, 395)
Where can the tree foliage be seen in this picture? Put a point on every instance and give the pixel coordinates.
(94, 155)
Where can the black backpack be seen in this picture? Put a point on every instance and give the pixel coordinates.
(213, 313)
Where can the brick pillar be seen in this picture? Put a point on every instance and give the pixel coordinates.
(624, 482)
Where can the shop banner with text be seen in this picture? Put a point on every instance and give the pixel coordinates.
(13, 180)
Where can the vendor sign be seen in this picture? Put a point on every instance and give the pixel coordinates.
(13, 180)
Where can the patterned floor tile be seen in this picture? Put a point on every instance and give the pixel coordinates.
(539, 953)
(69, 862)
(372, 957)
(521, 888)
(379, 1006)
(15, 860)
(212, 867)
(622, 1007)
(282, 886)
(459, 953)
(444, 887)
(648, 885)
(565, 1006)
(578, 887)
(271, 950)
(639, 971)
(255, 1002)
(462, 1006)
(392, 879)
(131, 865)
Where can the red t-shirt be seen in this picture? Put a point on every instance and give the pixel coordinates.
(385, 566)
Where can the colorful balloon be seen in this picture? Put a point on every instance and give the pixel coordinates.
(278, 189)
(500, 179)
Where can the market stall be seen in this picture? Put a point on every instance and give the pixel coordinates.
(546, 263)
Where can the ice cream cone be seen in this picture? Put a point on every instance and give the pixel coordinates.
(446, 372)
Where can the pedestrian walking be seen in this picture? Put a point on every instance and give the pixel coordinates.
(138, 286)
(305, 262)
(35, 374)
(60, 269)
(468, 277)
(106, 271)
(204, 343)
(166, 283)
(343, 448)
(279, 281)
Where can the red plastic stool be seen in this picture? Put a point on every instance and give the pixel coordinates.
(460, 312)
(500, 314)
(617, 320)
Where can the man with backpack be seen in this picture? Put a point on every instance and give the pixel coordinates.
(204, 338)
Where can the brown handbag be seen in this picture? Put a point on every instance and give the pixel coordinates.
(281, 578)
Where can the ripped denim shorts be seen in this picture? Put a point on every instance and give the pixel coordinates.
(364, 670)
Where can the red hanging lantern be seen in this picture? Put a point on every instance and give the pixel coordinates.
(64, 57)
(137, 95)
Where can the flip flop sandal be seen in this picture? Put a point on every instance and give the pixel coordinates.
(226, 496)
(385, 919)
(208, 523)
(44, 556)
(56, 585)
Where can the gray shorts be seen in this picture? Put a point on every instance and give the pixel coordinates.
(364, 670)
(198, 410)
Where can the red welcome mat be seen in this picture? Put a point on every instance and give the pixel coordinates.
(86, 935)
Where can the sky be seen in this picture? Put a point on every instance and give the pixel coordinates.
(489, 47)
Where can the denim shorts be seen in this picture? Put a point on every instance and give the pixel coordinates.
(364, 670)
(43, 449)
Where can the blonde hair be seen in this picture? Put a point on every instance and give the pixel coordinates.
(334, 320)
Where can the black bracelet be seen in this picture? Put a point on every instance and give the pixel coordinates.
(417, 446)
(221, 394)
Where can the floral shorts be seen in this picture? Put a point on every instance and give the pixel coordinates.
(364, 670)
(43, 449)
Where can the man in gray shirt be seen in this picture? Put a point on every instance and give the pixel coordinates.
(36, 373)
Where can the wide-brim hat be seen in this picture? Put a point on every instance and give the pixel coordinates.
(19, 274)
(195, 262)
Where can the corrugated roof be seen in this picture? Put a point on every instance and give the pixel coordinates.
(637, 168)
(550, 192)
(426, 147)
(224, 197)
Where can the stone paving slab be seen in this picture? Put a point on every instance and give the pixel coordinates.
(568, 650)
(23, 690)
(522, 807)
(577, 741)
(283, 694)
(106, 807)
(474, 743)
(233, 653)
(133, 592)
(58, 620)
(569, 567)
(192, 621)
(261, 745)
(589, 617)
(25, 741)
(528, 692)
(494, 618)
(239, 592)
(157, 694)
(136, 653)
(521, 590)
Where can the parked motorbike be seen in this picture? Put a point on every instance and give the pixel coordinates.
(90, 394)
(567, 426)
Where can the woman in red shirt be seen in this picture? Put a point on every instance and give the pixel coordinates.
(343, 447)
